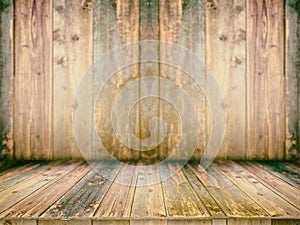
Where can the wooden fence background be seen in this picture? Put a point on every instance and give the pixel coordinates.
(252, 47)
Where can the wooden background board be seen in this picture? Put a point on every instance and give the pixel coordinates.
(247, 45)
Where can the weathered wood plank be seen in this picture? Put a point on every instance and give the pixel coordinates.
(278, 169)
(190, 222)
(265, 80)
(33, 80)
(180, 198)
(282, 188)
(229, 197)
(181, 23)
(148, 198)
(118, 200)
(84, 198)
(72, 56)
(6, 79)
(266, 198)
(108, 222)
(20, 174)
(285, 221)
(16, 193)
(148, 222)
(226, 59)
(38, 202)
(252, 221)
(211, 205)
(65, 222)
(292, 60)
(18, 222)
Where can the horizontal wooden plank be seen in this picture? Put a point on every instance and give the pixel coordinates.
(84, 198)
(230, 198)
(266, 198)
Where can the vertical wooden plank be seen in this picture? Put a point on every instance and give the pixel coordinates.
(225, 58)
(33, 79)
(189, 222)
(148, 222)
(285, 221)
(116, 23)
(265, 79)
(149, 107)
(111, 222)
(72, 56)
(6, 79)
(182, 23)
(292, 57)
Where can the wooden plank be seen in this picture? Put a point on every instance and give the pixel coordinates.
(14, 194)
(229, 197)
(189, 222)
(148, 222)
(6, 79)
(33, 80)
(149, 107)
(211, 205)
(182, 23)
(148, 198)
(117, 202)
(10, 166)
(180, 198)
(285, 221)
(266, 198)
(72, 56)
(292, 57)
(84, 198)
(282, 188)
(65, 222)
(111, 222)
(21, 174)
(252, 221)
(265, 80)
(282, 172)
(38, 202)
(219, 222)
(18, 222)
(116, 24)
(226, 59)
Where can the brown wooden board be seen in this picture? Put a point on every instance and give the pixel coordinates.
(117, 202)
(265, 80)
(14, 194)
(274, 204)
(39, 201)
(180, 198)
(226, 59)
(292, 59)
(229, 197)
(72, 56)
(84, 198)
(282, 188)
(33, 80)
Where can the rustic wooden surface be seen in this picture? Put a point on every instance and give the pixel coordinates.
(6, 79)
(226, 58)
(254, 58)
(292, 80)
(265, 79)
(227, 193)
(33, 80)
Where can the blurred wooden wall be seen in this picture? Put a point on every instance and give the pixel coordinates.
(252, 47)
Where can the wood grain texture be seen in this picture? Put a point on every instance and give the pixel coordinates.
(292, 56)
(244, 221)
(265, 80)
(229, 197)
(72, 56)
(226, 59)
(274, 204)
(33, 79)
(6, 79)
